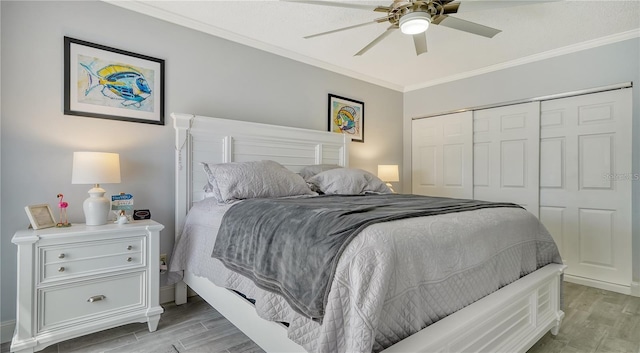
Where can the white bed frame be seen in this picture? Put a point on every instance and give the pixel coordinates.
(511, 319)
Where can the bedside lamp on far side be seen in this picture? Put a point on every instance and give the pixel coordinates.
(96, 168)
(388, 174)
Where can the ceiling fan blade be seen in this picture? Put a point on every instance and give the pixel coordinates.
(340, 29)
(466, 26)
(451, 7)
(375, 41)
(336, 4)
(420, 41)
(382, 9)
(468, 6)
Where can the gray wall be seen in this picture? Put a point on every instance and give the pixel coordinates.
(205, 75)
(606, 65)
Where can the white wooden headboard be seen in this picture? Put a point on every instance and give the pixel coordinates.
(213, 140)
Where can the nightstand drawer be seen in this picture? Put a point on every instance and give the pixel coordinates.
(61, 262)
(90, 300)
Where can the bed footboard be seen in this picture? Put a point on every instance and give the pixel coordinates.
(511, 319)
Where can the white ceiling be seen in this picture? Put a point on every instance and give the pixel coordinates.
(530, 32)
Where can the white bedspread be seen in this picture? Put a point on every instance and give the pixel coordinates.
(393, 279)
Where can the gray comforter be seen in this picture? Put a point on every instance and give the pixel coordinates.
(393, 279)
(292, 246)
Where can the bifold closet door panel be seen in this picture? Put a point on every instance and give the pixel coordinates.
(585, 183)
(441, 156)
(506, 154)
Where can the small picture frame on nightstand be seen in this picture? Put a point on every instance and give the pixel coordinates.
(40, 216)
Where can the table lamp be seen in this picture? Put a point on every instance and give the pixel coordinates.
(96, 168)
(388, 174)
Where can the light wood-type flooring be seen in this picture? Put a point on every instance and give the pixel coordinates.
(595, 321)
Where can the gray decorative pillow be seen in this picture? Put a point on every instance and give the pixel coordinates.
(311, 170)
(256, 179)
(348, 181)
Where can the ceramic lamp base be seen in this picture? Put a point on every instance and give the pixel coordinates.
(96, 207)
(391, 188)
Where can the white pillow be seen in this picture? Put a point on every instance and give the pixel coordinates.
(311, 170)
(256, 179)
(348, 181)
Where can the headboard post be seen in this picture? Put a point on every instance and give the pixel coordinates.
(344, 151)
(319, 153)
(227, 148)
(182, 125)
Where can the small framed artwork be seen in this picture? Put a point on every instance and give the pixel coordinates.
(108, 83)
(346, 116)
(40, 216)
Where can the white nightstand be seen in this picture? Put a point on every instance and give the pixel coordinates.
(82, 279)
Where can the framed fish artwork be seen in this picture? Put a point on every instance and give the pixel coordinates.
(346, 116)
(109, 83)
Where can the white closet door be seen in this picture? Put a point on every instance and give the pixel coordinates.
(442, 156)
(506, 147)
(585, 184)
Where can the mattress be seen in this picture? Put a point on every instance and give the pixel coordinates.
(393, 279)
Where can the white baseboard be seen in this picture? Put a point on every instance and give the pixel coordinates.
(6, 330)
(635, 289)
(628, 290)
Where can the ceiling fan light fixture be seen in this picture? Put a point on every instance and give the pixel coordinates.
(415, 22)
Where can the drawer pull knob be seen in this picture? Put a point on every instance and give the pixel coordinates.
(129, 247)
(61, 269)
(129, 259)
(61, 256)
(96, 298)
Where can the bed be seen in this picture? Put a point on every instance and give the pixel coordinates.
(510, 319)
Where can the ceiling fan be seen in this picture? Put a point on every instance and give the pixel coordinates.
(413, 17)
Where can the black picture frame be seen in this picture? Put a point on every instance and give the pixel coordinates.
(346, 116)
(109, 83)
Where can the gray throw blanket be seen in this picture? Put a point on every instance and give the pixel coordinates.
(292, 246)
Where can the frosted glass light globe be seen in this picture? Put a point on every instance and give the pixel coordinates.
(415, 22)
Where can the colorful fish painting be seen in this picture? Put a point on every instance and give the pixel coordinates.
(346, 116)
(119, 82)
(346, 120)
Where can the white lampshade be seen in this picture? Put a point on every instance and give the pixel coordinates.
(388, 173)
(96, 168)
(415, 22)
